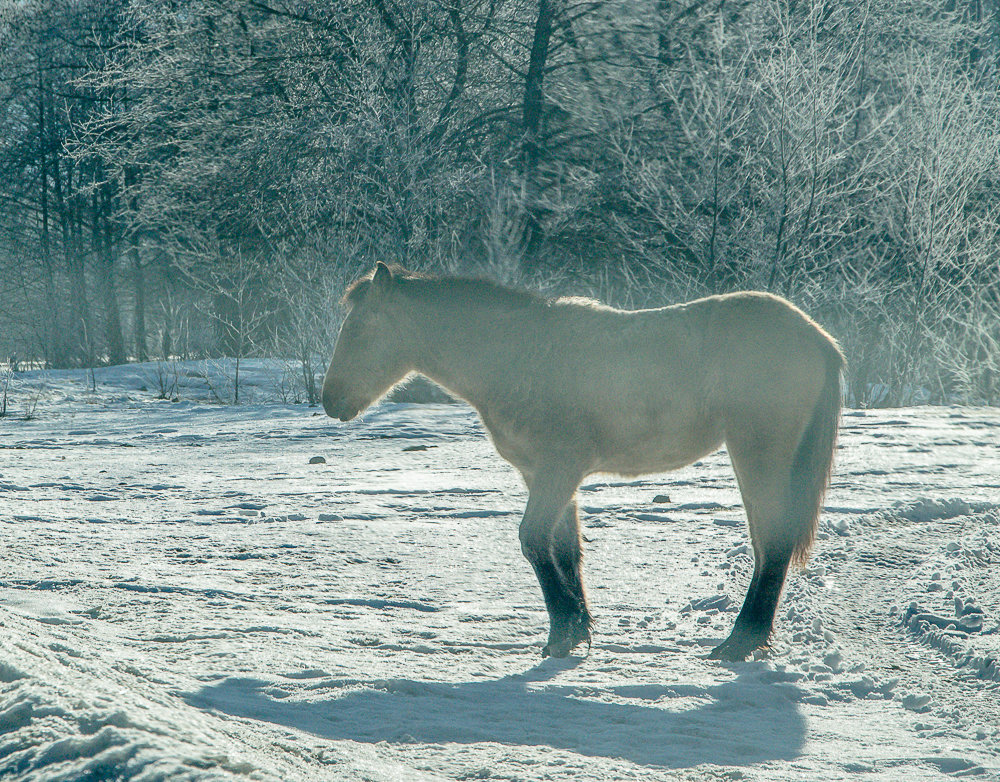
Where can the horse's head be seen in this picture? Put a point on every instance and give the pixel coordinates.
(370, 355)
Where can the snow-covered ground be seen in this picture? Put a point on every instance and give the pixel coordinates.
(184, 596)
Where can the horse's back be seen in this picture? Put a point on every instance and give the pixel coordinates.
(745, 348)
(649, 390)
(686, 377)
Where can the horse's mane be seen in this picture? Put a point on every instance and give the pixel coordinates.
(470, 290)
(473, 290)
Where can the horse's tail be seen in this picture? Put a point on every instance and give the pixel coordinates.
(813, 459)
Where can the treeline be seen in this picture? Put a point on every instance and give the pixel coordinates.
(200, 177)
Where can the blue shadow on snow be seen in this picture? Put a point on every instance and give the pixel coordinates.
(749, 720)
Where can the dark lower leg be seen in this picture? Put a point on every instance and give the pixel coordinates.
(550, 540)
(753, 625)
(556, 561)
(571, 621)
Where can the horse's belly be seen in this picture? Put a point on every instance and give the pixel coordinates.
(644, 447)
(646, 462)
(628, 440)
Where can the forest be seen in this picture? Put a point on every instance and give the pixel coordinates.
(196, 178)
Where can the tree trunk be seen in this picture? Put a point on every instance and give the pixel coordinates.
(138, 276)
(139, 290)
(78, 324)
(104, 251)
(83, 311)
(50, 317)
(531, 120)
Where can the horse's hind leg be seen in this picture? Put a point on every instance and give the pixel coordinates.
(764, 475)
(550, 539)
(756, 618)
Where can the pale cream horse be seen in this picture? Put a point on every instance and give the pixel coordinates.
(569, 387)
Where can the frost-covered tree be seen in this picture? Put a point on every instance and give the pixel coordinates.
(643, 151)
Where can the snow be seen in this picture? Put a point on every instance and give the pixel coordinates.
(184, 596)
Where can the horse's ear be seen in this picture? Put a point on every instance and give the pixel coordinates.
(382, 277)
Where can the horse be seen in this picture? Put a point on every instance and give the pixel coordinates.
(569, 387)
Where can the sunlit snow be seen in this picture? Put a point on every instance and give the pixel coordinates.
(184, 596)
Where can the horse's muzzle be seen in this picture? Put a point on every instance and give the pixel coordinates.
(338, 407)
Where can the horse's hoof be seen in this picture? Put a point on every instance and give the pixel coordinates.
(563, 646)
(737, 647)
(728, 653)
(560, 648)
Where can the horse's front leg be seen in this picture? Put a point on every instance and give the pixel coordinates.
(550, 539)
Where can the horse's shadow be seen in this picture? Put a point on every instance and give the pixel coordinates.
(748, 720)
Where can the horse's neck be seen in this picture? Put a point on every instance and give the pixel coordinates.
(461, 346)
